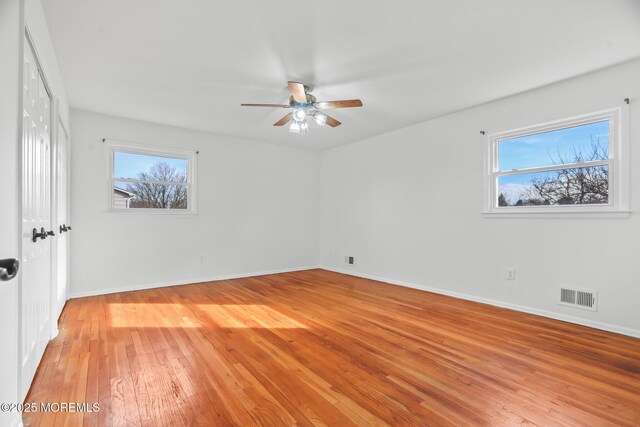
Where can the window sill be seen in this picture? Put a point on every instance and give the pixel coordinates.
(558, 214)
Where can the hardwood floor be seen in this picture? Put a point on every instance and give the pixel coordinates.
(317, 347)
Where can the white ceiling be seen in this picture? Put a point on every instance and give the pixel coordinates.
(191, 63)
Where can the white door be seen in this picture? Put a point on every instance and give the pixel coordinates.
(61, 176)
(35, 295)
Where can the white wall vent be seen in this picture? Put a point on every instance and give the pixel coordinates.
(579, 298)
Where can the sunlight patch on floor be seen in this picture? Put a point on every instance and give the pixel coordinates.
(249, 316)
(170, 315)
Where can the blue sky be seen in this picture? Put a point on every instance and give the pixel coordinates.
(543, 149)
(127, 165)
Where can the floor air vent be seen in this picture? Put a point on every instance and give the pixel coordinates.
(579, 298)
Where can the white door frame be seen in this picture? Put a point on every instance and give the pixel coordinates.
(54, 218)
(68, 237)
(58, 125)
(11, 69)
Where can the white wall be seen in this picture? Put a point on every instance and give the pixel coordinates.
(257, 211)
(407, 205)
(10, 133)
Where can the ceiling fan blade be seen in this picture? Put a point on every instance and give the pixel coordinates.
(283, 121)
(332, 122)
(323, 105)
(297, 90)
(265, 105)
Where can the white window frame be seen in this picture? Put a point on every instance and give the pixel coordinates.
(618, 162)
(113, 146)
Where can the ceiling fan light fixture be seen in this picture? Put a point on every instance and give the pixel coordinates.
(320, 119)
(295, 127)
(304, 127)
(299, 115)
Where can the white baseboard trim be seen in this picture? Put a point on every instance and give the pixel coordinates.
(544, 313)
(130, 288)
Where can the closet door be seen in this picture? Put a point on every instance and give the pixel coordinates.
(35, 293)
(61, 176)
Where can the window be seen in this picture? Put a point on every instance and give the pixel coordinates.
(566, 166)
(143, 179)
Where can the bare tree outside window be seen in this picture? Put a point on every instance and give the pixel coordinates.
(157, 180)
(163, 187)
(570, 186)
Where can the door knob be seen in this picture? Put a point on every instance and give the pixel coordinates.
(8, 269)
(42, 234)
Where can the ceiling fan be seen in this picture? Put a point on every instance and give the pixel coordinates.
(305, 106)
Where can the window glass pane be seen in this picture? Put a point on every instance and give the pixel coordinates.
(150, 168)
(579, 186)
(571, 145)
(140, 195)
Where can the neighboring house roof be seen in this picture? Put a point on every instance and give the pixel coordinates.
(124, 193)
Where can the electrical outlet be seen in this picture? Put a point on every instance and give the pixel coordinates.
(201, 259)
(511, 273)
(349, 260)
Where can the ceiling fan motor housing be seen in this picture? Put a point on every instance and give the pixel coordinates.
(310, 101)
